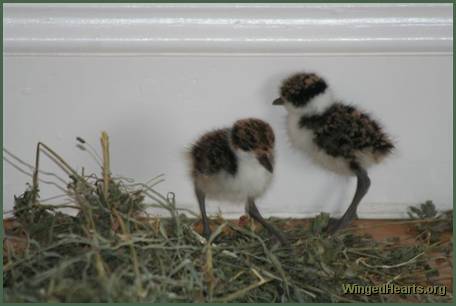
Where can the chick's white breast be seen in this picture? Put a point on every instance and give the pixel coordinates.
(250, 180)
(302, 140)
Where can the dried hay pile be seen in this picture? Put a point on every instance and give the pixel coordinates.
(112, 251)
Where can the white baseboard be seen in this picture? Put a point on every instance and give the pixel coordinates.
(41, 82)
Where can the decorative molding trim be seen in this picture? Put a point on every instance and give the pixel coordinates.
(151, 29)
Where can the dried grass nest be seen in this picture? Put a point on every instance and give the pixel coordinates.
(113, 251)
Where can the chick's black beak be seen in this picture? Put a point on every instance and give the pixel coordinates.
(278, 101)
(266, 162)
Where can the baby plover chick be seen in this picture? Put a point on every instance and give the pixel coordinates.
(234, 164)
(338, 136)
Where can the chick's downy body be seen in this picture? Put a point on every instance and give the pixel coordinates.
(331, 132)
(224, 172)
(234, 164)
(338, 136)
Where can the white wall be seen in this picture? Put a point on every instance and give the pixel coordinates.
(157, 76)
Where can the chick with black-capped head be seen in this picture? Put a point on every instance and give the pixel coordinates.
(234, 164)
(338, 136)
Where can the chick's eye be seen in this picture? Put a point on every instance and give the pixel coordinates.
(250, 138)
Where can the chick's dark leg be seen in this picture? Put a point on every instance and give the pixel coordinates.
(202, 205)
(253, 212)
(361, 189)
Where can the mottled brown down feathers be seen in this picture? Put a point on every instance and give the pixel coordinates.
(215, 151)
(342, 130)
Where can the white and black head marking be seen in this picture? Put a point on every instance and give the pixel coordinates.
(300, 88)
(256, 136)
